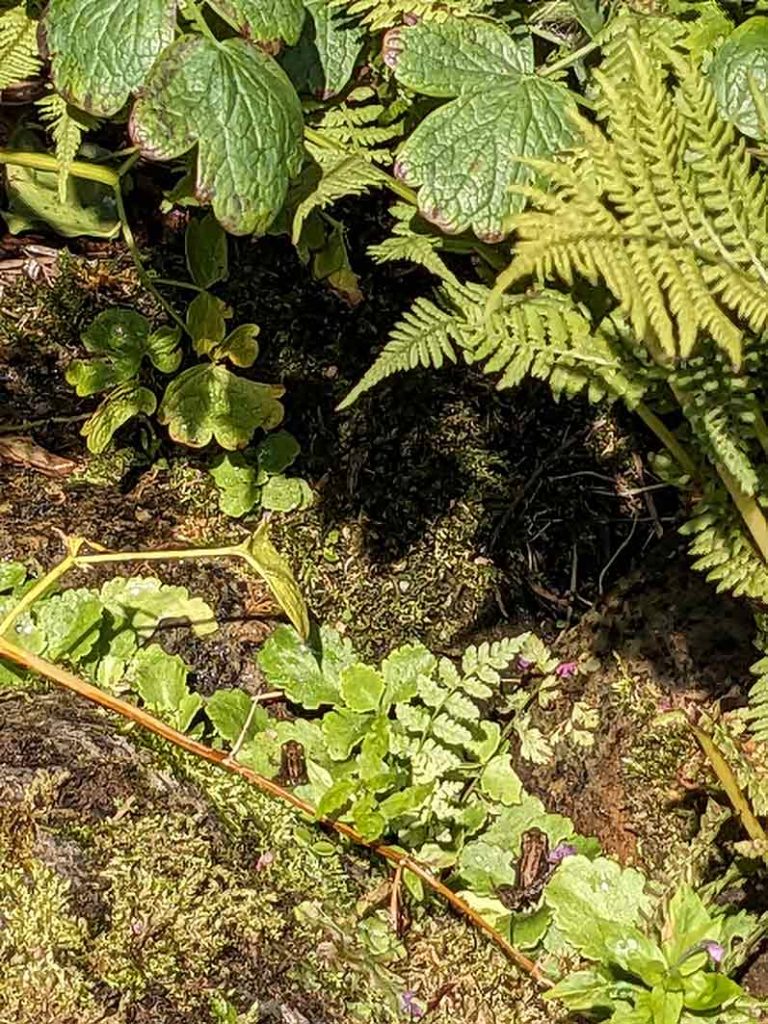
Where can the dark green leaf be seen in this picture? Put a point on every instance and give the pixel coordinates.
(277, 451)
(238, 483)
(263, 19)
(206, 322)
(739, 73)
(206, 249)
(122, 404)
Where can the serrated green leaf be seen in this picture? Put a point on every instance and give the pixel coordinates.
(144, 602)
(19, 57)
(262, 754)
(501, 782)
(266, 560)
(122, 404)
(229, 710)
(739, 74)
(238, 483)
(375, 747)
(361, 687)
(337, 797)
(484, 867)
(283, 494)
(591, 900)
(687, 924)
(206, 322)
(263, 19)
(432, 761)
(71, 623)
(12, 575)
(402, 668)
(205, 245)
(161, 681)
(466, 156)
(102, 50)
(277, 452)
(240, 346)
(462, 708)
(430, 691)
(404, 802)
(238, 105)
(291, 665)
(451, 732)
(208, 401)
(343, 730)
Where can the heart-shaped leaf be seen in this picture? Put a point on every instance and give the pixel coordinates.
(239, 106)
(208, 401)
(263, 19)
(324, 59)
(102, 50)
(466, 156)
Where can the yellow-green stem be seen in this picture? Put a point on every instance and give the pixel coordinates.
(729, 783)
(667, 438)
(749, 510)
(46, 162)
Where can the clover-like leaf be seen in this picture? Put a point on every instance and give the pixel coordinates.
(466, 156)
(362, 687)
(739, 73)
(240, 346)
(121, 405)
(284, 494)
(120, 339)
(263, 19)
(238, 482)
(71, 622)
(239, 106)
(102, 50)
(205, 245)
(208, 401)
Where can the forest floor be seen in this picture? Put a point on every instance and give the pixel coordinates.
(447, 513)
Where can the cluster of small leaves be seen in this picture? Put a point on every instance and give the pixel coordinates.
(255, 478)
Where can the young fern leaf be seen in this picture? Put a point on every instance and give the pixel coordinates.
(378, 15)
(412, 246)
(67, 132)
(19, 57)
(341, 175)
(647, 209)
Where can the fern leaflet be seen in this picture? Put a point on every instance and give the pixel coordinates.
(67, 131)
(19, 57)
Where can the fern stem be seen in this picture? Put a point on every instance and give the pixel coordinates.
(730, 784)
(749, 510)
(667, 438)
(761, 430)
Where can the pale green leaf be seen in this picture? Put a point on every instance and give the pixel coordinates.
(207, 401)
(144, 602)
(12, 575)
(583, 990)
(337, 797)
(161, 681)
(263, 19)
(291, 665)
(367, 818)
(688, 923)
(238, 483)
(451, 732)
(362, 687)
(205, 244)
(375, 747)
(71, 623)
(703, 993)
(484, 866)
(404, 802)
(238, 105)
(343, 730)
(122, 404)
(266, 560)
(402, 668)
(229, 710)
(19, 57)
(739, 74)
(501, 782)
(283, 494)
(102, 50)
(240, 346)
(666, 1005)
(206, 322)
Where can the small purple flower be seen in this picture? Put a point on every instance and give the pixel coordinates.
(566, 669)
(410, 1006)
(715, 950)
(560, 852)
(524, 664)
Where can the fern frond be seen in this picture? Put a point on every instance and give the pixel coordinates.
(340, 175)
(360, 125)
(383, 14)
(67, 132)
(410, 245)
(19, 56)
(662, 206)
(424, 337)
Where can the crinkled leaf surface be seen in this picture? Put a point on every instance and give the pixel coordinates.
(239, 106)
(464, 157)
(102, 50)
(324, 59)
(292, 665)
(238, 484)
(126, 401)
(284, 494)
(263, 19)
(277, 451)
(145, 602)
(739, 73)
(501, 782)
(208, 401)
(161, 681)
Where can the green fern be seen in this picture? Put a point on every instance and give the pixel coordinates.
(383, 14)
(66, 129)
(410, 245)
(664, 209)
(340, 175)
(19, 57)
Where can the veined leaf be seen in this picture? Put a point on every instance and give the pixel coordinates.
(238, 483)
(230, 710)
(102, 50)
(739, 74)
(205, 245)
(324, 58)
(267, 561)
(263, 19)
(501, 782)
(466, 156)
(121, 405)
(291, 665)
(239, 106)
(144, 602)
(343, 730)
(208, 401)
(161, 681)
(71, 623)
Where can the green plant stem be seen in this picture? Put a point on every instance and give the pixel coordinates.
(194, 13)
(171, 282)
(569, 58)
(667, 438)
(761, 430)
(749, 510)
(41, 587)
(130, 712)
(45, 162)
(730, 784)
